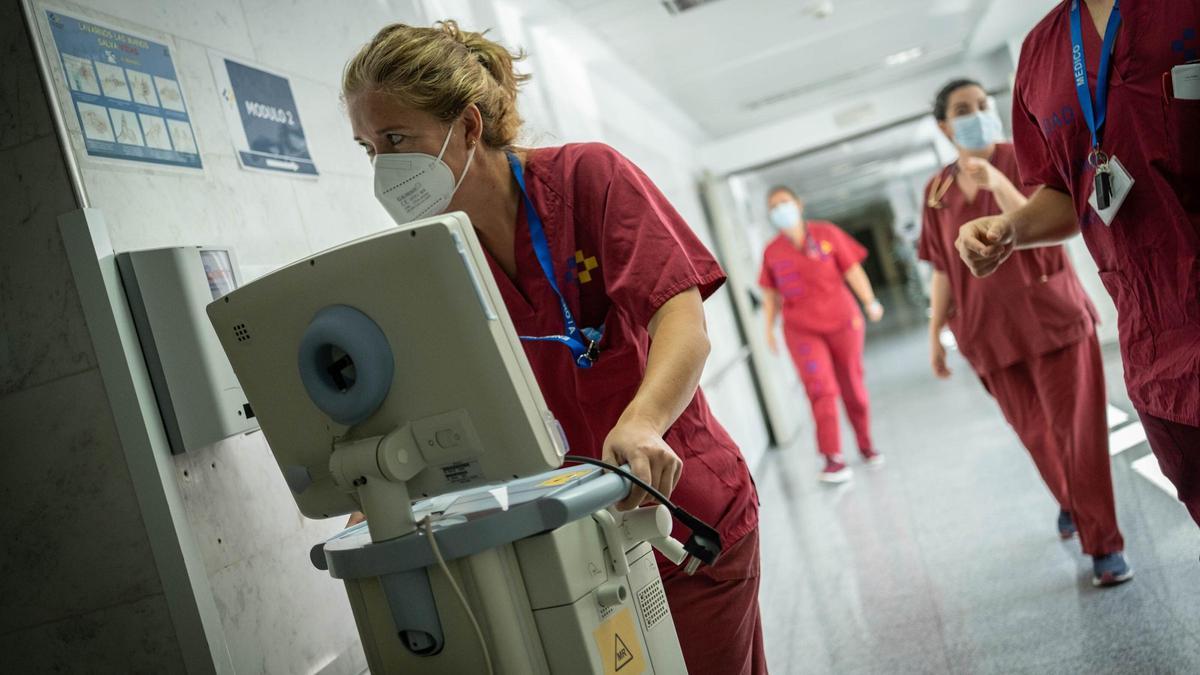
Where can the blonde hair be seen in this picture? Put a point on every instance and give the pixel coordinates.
(442, 70)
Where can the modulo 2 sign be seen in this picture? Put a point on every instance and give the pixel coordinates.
(262, 116)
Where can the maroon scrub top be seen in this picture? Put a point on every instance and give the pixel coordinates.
(620, 252)
(1149, 258)
(812, 278)
(1032, 305)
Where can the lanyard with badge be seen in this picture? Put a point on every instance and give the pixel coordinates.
(1111, 181)
(584, 343)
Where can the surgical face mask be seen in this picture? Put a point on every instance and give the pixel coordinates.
(784, 216)
(978, 130)
(413, 185)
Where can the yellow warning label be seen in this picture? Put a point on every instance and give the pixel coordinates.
(564, 478)
(619, 645)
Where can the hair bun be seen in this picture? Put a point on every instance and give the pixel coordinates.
(491, 55)
(450, 27)
(437, 69)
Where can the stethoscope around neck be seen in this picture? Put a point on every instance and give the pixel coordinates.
(940, 186)
(584, 343)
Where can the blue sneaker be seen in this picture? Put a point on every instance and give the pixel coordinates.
(1066, 525)
(1110, 570)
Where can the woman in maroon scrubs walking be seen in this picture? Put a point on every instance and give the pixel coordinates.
(1139, 144)
(1028, 331)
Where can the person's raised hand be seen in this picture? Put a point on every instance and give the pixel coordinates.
(980, 171)
(985, 243)
(639, 445)
(772, 344)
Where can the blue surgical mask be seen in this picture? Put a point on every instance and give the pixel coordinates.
(785, 216)
(977, 131)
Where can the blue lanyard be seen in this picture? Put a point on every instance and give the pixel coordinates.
(1093, 115)
(583, 343)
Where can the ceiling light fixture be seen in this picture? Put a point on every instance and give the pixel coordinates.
(900, 58)
(821, 10)
(675, 7)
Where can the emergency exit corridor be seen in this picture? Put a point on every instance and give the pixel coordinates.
(946, 560)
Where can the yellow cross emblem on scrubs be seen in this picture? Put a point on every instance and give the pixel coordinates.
(588, 264)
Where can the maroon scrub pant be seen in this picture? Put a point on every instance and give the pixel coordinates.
(831, 366)
(716, 613)
(1177, 447)
(1057, 405)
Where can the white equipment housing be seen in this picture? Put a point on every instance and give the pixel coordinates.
(198, 396)
(387, 370)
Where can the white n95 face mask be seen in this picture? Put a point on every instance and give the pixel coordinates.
(414, 185)
(784, 216)
(979, 130)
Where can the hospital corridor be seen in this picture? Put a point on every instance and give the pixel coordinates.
(600, 337)
(946, 561)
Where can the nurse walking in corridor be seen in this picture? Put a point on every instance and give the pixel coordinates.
(1100, 124)
(1028, 331)
(805, 273)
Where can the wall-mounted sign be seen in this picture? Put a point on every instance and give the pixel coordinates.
(124, 92)
(263, 118)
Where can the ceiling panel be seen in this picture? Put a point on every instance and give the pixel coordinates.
(736, 64)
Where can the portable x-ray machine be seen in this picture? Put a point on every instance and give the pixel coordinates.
(387, 378)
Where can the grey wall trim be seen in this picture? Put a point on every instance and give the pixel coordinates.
(51, 90)
(185, 581)
(782, 427)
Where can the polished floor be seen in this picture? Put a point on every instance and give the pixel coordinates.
(946, 560)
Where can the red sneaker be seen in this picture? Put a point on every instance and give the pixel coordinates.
(835, 471)
(871, 457)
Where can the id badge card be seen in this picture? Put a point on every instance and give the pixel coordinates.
(1185, 81)
(1121, 183)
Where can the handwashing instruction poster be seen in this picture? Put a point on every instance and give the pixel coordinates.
(125, 93)
(263, 118)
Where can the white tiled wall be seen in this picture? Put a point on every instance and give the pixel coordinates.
(280, 615)
(78, 583)
(77, 563)
(35, 275)
(131, 637)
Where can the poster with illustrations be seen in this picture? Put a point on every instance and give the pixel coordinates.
(263, 118)
(124, 92)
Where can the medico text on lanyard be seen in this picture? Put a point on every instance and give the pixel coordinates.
(584, 343)
(1094, 115)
